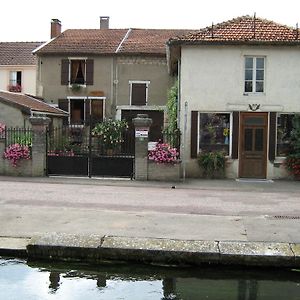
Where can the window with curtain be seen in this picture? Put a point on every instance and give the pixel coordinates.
(214, 132)
(15, 81)
(78, 71)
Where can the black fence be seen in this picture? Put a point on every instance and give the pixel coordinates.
(74, 150)
(22, 136)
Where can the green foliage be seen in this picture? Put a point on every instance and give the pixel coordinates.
(295, 134)
(172, 104)
(110, 132)
(22, 138)
(292, 161)
(212, 163)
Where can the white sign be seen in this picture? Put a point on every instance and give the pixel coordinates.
(141, 133)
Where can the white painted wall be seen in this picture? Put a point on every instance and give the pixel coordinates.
(28, 78)
(212, 79)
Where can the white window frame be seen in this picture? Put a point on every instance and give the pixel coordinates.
(70, 71)
(230, 128)
(254, 69)
(146, 82)
(84, 110)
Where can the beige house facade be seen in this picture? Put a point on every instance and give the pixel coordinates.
(18, 67)
(239, 89)
(106, 73)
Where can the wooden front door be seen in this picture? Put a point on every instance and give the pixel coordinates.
(253, 145)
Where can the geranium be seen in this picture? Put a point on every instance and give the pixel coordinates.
(16, 152)
(292, 163)
(163, 153)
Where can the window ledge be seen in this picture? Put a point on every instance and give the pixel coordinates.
(254, 94)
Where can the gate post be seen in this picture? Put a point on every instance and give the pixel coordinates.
(142, 124)
(39, 145)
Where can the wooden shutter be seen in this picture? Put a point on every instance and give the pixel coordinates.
(235, 134)
(63, 104)
(272, 136)
(87, 111)
(138, 93)
(89, 72)
(64, 72)
(194, 134)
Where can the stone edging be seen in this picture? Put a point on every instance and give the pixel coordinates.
(95, 248)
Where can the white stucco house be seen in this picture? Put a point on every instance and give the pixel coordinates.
(239, 88)
(18, 67)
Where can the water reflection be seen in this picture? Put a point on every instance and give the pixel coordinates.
(140, 282)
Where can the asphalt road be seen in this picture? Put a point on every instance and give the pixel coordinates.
(209, 210)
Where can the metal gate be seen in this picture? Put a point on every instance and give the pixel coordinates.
(74, 150)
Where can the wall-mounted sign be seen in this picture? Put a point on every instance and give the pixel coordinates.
(141, 133)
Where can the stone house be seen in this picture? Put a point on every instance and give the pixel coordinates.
(102, 73)
(239, 88)
(18, 67)
(16, 109)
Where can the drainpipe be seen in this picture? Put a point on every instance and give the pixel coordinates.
(184, 141)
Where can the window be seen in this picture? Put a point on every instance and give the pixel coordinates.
(254, 74)
(139, 92)
(214, 131)
(284, 128)
(77, 71)
(15, 81)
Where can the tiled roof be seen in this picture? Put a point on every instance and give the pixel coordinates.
(29, 103)
(18, 53)
(110, 41)
(242, 29)
(149, 41)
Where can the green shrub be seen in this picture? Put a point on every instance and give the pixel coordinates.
(212, 164)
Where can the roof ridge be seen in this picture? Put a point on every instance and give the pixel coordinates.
(123, 40)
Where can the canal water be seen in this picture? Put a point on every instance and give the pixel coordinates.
(41, 281)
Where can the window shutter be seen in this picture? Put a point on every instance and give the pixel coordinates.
(63, 104)
(235, 134)
(87, 111)
(64, 72)
(194, 134)
(89, 72)
(272, 136)
(138, 93)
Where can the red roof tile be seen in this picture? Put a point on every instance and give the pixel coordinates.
(18, 53)
(243, 29)
(29, 103)
(111, 41)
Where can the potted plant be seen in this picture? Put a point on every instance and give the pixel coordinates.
(109, 134)
(292, 161)
(75, 87)
(212, 163)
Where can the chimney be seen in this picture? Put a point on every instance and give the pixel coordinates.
(104, 22)
(55, 28)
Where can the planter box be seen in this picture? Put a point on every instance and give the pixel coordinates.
(163, 172)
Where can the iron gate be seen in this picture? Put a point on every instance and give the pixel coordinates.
(74, 150)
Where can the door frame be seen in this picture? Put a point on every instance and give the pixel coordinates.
(243, 115)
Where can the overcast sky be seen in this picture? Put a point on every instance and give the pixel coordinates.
(29, 20)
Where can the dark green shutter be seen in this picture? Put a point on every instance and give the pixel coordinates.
(194, 134)
(235, 134)
(272, 136)
(63, 104)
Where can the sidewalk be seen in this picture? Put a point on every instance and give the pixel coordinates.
(196, 221)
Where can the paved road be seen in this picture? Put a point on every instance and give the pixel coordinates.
(205, 210)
